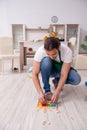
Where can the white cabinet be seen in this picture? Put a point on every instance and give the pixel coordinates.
(67, 31)
(18, 34)
(35, 34)
(73, 30)
(60, 29)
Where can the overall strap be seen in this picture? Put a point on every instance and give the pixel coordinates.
(60, 56)
(58, 65)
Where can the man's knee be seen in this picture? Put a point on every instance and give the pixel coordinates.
(46, 63)
(74, 77)
(77, 80)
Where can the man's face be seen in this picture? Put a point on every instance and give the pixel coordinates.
(52, 54)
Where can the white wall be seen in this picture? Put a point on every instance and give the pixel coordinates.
(35, 13)
(5, 28)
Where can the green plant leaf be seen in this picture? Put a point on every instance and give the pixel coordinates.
(85, 39)
(83, 47)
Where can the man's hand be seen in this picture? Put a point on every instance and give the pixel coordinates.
(42, 98)
(54, 98)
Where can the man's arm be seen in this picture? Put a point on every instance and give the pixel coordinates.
(64, 73)
(36, 71)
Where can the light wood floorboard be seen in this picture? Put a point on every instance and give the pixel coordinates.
(18, 100)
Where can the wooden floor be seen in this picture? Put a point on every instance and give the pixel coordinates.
(18, 100)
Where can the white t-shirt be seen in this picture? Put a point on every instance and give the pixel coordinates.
(66, 54)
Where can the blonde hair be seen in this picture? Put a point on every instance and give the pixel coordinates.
(53, 34)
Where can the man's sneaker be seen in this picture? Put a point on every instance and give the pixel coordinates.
(48, 96)
(55, 84)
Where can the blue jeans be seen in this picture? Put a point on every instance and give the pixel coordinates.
(48, 70)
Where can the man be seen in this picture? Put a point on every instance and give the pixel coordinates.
(53, 60)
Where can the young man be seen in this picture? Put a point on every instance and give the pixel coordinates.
(53, 60)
